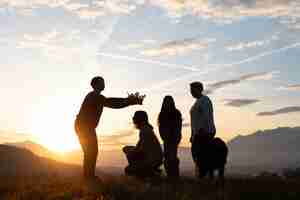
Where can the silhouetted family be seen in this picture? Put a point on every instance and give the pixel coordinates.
(146, 157)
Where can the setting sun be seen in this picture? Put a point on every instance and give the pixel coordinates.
(54, 130)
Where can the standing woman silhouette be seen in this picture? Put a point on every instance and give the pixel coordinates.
(170, 125)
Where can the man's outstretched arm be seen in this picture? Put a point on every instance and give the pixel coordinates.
(118, 102)
(132, 99)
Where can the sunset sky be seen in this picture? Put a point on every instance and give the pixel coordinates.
(246, 52)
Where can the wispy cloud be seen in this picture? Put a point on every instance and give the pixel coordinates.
(223, 11)
(129, 58)
(240, 102)
(178, 47)
(264, 54)
(214, 67)
(83, 9)
(285, 110)
(52, 37)
(56, 45)
(226, 11)
(293, 22)
(100, 8)
(253, 44)
(294, 87)
(137, 44)
(253, 76)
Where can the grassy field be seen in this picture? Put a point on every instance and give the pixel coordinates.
(125, 188)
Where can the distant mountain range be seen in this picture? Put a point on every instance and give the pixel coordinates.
(268, 150)
(35, 148)
(273, 149)
(17, 161)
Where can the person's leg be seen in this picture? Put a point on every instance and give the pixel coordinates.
(195, 148)
(82, 140)
(137, 168)
(88, 141)
(92, 153)
(176, 161)
(172, 161)
(198, 153)
(131, 154)
(166, 158)
(134, 158)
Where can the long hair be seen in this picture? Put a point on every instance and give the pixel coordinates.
(168, 104)
(168, 110)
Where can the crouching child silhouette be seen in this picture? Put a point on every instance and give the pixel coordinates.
(144, 159)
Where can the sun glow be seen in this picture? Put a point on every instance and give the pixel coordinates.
(57, 138)
(61, 144)
(54, 129)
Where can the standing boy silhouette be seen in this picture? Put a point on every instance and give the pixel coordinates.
(88, 118)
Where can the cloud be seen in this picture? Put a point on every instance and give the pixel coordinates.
(83, 9)
(100, 8)
(226, 11)
(240, 102)
(120, 6)
(285, 110)
(178, 47)
(47, 38)
(89, 12)
(129, 58)
(248, 77)
(295, 87)
(188, 76)
(57, 46)
(223, 11)
(253, 44)
(137, 44)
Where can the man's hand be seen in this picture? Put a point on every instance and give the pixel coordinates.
(136, 98)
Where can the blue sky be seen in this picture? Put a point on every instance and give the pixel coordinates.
(246, 52)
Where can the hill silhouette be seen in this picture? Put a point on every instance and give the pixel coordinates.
(22, 162)
(273, 150)
(36, 148)
(268, 150)
(49, 179)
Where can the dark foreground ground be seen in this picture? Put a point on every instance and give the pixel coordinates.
(124, 188)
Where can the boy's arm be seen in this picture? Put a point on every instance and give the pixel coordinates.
(117, 103)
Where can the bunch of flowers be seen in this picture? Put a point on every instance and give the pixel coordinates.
(136, 98)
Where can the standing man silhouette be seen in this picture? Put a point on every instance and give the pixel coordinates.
(202, 123)
(88, 118)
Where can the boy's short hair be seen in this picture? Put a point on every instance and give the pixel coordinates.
(197, 85)
(95, 80)
(140, 116)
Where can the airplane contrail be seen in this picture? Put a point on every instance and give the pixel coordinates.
(264, 54)
(247, 60)
(196, 71)
(169, 82)
(129, 58)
